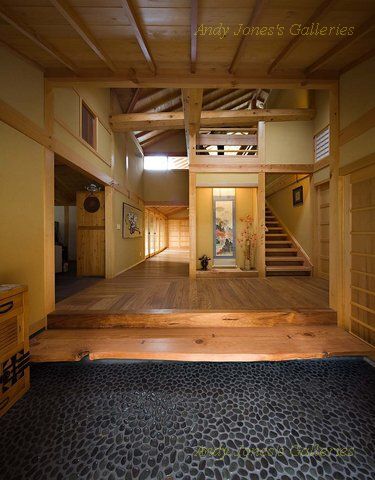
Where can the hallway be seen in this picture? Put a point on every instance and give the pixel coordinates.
(162, 283)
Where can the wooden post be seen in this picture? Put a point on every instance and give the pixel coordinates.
(335, 210)
(261, 202)
(109, 233)
(49, 232)
(192, 225)
(261, 207)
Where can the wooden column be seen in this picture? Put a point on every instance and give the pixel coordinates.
(193, 224)
(261, 206)
(109, 233)
(335, 210)
(261, 202)
(192, 208)
(49, 233)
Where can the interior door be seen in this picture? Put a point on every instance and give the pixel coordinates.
(90, 234)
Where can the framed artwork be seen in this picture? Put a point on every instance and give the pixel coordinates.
(132, 221)
(298, 196)
(224, 227)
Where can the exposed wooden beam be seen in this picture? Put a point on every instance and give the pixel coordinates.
(318, 12)
(141, 39)
(195, 81)
(255, 14)
(341, 46)
(162, 135)
(36, 38)
(133, 101)
(192, 105)
(83, 31)
(215, 118)
(223, 100)
(193, 34)
(231, 140)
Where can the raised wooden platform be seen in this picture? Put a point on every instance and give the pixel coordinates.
(197, 319)
(227, 273)
(281, 342)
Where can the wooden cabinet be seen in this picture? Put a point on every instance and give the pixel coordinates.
(14, 345)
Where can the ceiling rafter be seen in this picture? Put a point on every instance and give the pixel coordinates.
(193, 35)
(22, 55)
(36, 38)
(318, 12)
(141, 39)
(133, 101)
(341, 46)
(82, 30)
(255, 14)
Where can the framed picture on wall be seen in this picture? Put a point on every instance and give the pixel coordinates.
(132, 221)
(298, 196)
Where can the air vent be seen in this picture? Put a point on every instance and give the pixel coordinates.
(321, 144)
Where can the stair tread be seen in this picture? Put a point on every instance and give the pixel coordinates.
(281, 250)
(276, 234)
(279, 241)
(284, 259)
(287, 268)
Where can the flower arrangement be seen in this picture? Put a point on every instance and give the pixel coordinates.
(248, 241)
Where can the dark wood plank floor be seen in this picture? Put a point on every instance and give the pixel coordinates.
(162, 283)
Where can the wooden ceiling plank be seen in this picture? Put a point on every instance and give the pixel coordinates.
(358, 61)
(22, 55)
(255, 14)
(130, 13)
(36, 38)
(160, 135)
(341, 46)
(82, 30)
(318, 12)
(193, 35)
(213, 118)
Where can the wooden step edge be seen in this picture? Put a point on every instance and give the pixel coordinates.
(285, 259)
(274, 250)
(287, 268)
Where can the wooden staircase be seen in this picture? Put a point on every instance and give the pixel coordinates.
(283, 257)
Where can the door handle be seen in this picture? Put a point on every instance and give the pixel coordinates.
(6, 306)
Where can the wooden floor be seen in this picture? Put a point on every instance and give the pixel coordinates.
(154, 311)
(162, 284)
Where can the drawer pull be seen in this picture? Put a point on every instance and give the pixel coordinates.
(6, 306)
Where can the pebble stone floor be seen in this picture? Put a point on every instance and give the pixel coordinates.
(135, 421)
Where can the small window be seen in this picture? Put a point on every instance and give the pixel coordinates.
(88, 126)
(321, 144)
(162, 162)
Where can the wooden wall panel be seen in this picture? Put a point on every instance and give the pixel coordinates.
(323, 230)
(362, 254)
(178, 233)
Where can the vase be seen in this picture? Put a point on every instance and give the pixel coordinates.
(252, 258)
(247, 264)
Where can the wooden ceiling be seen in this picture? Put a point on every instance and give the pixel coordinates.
(132, 38)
